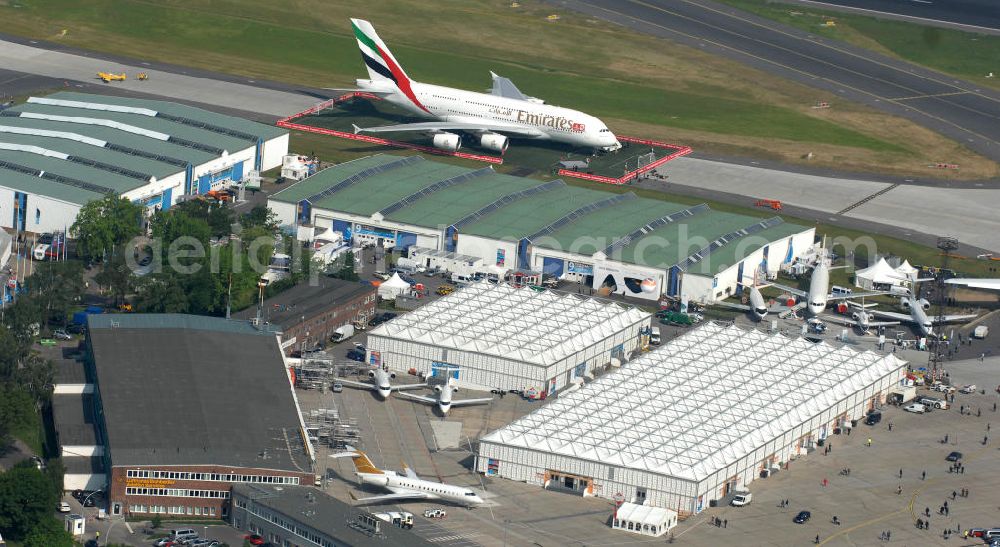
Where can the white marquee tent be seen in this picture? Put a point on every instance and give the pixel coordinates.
(880, 273)
(393, 287)
(695, 419)
(500, 336)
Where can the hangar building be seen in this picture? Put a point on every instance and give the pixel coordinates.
(639, 247)
(683, 426)
(497, 336)
(179, 409)
(60, 151)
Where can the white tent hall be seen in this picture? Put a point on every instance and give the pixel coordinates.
(878, 275)
(393, 287)
(696, 419)
(497, 336)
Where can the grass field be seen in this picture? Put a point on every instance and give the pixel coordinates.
(965, 54)
(650, 87)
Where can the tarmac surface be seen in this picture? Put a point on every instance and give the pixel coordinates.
(973, 14)
(890, 208)
(955, 108)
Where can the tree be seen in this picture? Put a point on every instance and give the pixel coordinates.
(117, 276)
(218, 218)
(56, 286)
(22, 319)
(261, 215)
(345, 267)
(103, 224)
(162, 293)
(48, 532)
(26, 499)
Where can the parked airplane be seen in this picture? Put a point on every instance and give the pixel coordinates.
(918, 316)
(380, 383)
(861, 318)
(443, 400)
(758, 307)
(818, 295)
(490, 117)
(404, 487)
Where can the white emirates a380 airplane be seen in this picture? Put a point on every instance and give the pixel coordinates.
(490, 117)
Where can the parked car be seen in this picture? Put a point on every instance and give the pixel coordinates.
(356, 355)
(203, 543)
(954, 457)
(943, 388)
(381, 275)
(254, 539)
(932, 402)
(968, 388)
(802, 517)
(338, 387)
(916, 408)
(61, 334)
(64, 507)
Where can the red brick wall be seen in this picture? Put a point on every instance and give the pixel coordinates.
(120, 481)
(321, 326)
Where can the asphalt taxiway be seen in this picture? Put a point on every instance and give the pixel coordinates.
(957, 109)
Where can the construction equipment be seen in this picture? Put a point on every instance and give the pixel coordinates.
(109, 77)
(772, 203)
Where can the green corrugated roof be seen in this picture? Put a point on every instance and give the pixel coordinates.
(383, 189)
(45, 187)
(329, 177)
(84, 173)
(526, 216)
(594, 231)
(114, 136)
(725, 256)
(261, 130)
(443, 207)
(151, 167)
(174, 129)
(682, 238)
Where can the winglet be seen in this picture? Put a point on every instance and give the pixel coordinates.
(493, 75)
(356, 128)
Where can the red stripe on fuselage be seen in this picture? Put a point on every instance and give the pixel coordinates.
(401, 80)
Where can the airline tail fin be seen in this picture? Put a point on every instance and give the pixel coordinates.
(376, 55)
(361, 462)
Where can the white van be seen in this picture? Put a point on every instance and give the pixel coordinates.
(459, 278)
(654, 336)
(183, 534)
(837, 290)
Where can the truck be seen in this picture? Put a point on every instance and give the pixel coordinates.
(741, 498)
(980, 332)
(342, 333)
(402, 519)
(900, 395)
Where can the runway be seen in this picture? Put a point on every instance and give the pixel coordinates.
(975, 14)
(954, 108)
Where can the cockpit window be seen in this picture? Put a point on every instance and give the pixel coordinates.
(605, 130)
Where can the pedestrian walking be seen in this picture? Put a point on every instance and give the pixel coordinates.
(961, 469)
(725, 523)
(979, 412)
(900, 472)
(869, 441)
(923, 475)
(988, 425)
(953, 494)
(927, 511)
(899, 489)
(825, 482)
(817, 539)
(888, 535)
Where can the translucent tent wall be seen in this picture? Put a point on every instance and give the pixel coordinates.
(702, 415)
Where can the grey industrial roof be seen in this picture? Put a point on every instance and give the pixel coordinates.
(69, 371)
(189, 390)
(73, 415)
(114, 143)
(306, 300)
(324, 513)
(83, 465)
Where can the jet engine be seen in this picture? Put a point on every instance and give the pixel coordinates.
(924, 304)
(494, 141)
(371, 373)
(439, 389)
(447, 141)
(377, 480)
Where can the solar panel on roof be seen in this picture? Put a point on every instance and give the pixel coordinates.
(577, 213)
(112, 168)
(507, 200)
(207, 126)
(196, 145)
(423, 192)
(144, 154)
(361, 175)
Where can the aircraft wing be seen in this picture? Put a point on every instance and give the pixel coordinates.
(464, 402)
(420, 398)
(503, 87)
(903, 317)
(742, 307)
(973, 283)
(402, 496)
(434, 127)
(352, 383)
(409, 386)
(840, 320)
(797, 292)
(950, 318)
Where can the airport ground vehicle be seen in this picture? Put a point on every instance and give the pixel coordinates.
(933, 402)
(772, 203)
(968, 388)
(654, 336)
(435, 513)
(741, 498)
(402, 519)
(916, 408)
(445, 290)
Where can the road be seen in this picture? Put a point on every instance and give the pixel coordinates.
(957, 109)
(972, 14)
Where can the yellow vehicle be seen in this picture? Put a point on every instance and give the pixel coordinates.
(445, 290)
(108, 77)
(142, 76)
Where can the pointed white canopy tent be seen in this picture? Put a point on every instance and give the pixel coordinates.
(497, 336)
(907, 271)
(693, 420)
(878, 274)
(393, 287)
